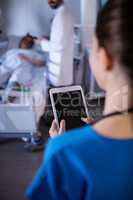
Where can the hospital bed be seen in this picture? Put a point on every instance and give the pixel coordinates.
(16, 121)
(12, 42)
(24, 96)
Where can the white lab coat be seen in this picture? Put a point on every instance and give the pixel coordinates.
(60, 48)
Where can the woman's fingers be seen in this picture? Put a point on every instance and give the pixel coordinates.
(23, 57)
(87, 120)
(62, 127)
(54, 130)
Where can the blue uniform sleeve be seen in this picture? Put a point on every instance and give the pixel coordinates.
(56, 179)
(61, 175)
(47, 182)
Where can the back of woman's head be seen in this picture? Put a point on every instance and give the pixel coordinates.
(114, 31)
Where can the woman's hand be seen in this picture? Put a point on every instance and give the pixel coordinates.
(88, 120)
(24, 58)
(37, 62)
(55, 130)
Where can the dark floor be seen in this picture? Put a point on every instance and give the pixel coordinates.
(18, 167)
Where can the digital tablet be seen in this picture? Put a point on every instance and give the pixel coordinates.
(69, 103)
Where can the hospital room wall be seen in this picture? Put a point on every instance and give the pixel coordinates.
(34, 16)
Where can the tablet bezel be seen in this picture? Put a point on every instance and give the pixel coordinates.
(63, 90)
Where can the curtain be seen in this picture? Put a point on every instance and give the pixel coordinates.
(33, 16)
(26, 16)
(89, 10)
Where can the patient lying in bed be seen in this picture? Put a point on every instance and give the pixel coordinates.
(17, 64)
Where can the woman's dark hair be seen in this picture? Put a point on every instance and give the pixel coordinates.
(28, 41)
(114, 31)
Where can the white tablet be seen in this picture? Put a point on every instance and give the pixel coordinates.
(69, 103)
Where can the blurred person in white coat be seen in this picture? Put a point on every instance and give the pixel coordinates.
(60, 46)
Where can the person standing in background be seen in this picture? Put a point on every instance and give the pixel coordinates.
(60, 46)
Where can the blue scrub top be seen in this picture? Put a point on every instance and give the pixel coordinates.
(85, 165)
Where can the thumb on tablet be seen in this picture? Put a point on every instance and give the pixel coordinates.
(87, 120)
(62, 127)
(54, 130)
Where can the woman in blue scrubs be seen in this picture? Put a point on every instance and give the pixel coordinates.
(96, 162)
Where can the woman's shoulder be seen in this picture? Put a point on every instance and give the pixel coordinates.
(69, 139)
(80, 139)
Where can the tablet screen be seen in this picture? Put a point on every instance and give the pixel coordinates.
(70, 107)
